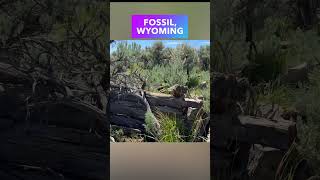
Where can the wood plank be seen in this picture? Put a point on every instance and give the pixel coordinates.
(276, 134)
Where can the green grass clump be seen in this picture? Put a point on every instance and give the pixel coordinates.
(171, 128)
(289, 164)
(193, 82)
(279, 94)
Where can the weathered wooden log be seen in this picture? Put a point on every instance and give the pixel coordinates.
(229, 128)
(70, 113)
(12, 75)
(160, 99)
(18, 172)
(125, 121)
(277, 134)
(128, 109)
(74, 154)
(228, 124)
(169, 111)
(47, 139)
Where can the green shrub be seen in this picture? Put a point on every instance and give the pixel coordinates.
(171, 74)
(193, 82)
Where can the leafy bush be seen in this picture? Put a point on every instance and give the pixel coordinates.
(171, 74)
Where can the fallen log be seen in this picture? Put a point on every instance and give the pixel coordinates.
(128, 108)
(127, 122)
(48, 138)
(71, 113)
(277, 134)
(233, 134)
(229, 124)
(255, 130)
(160, 99)
(74, 154)
(12, 75)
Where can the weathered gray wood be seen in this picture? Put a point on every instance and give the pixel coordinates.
(228, 124)
(193, 103)
(159, 99)
(168, 110)
(19, 173)
(126, 121)
(276, 134)
(73, 153)
(12, 75)
(229, 127)
(128, 108)
(71, 114)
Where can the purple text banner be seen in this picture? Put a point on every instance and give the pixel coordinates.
(157, 26)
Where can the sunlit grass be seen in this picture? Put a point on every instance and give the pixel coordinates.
(171, 128)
